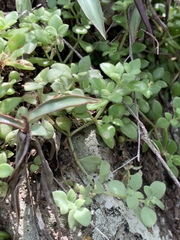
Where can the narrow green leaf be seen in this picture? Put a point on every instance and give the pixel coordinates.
(20, 64)
(11, 121)
(71, 220)
(92, 10)
(134, 24)
(157, 109)
(142, 10)
(58, 103)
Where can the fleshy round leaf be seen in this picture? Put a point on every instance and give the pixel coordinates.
(107, 133)
(104, 171)
(61, 201)
(136, 181)
(5, 170)
(8, 104)
(90, 163)
(158, 188)
(117, 188)
(148, 216)
(83, 216)
(132, 202)
(64, 123)
(17, 41)
(163, 123)
(176, 102)
(5, 130)
(3, 191)
(71, 195)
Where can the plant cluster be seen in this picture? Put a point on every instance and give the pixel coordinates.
(65, 73)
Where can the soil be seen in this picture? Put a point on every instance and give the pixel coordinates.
(110, 217)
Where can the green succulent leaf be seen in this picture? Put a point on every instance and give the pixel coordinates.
(64, 123)
(79, 203)
(148, 216)
(23, 5)
(176, 102)
(163, 123)
(5, 170)
(129, 129)
(83, 216)
(117, 188)
(71, 220)
(3, 191)
(132, 202)
(104, 171)
(90, 163)
(4, 235)
(60, 199)
(17, 41)
(158, 73)
(71, 195)
(148, 191)
(8, 104)
(158, 189)
(107, 133)
(176, 160)
(136, 181)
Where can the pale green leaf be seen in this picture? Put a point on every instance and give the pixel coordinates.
(92, 10)
(5, 170)
(148, 216)
(117, 188)
(83, 216)
(58, 103)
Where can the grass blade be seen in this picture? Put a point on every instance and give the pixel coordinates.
(92, 10)
(58, 103)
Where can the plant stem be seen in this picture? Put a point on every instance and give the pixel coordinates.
(81, 128)
(78, 163)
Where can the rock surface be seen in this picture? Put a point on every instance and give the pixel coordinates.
(111, 219)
